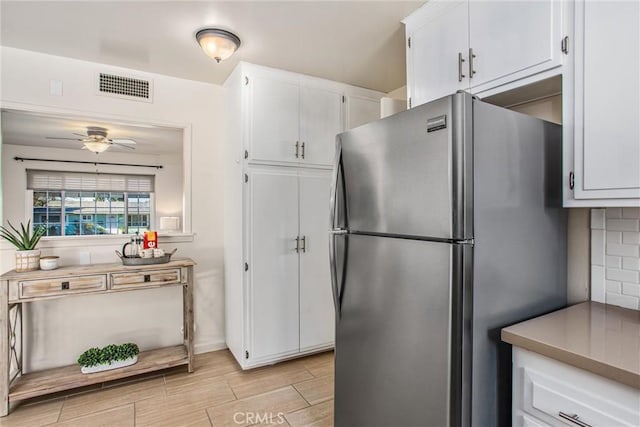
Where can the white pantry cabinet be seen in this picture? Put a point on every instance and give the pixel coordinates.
(278, 301)
(601, 106)
(550, 393)
(478, 45)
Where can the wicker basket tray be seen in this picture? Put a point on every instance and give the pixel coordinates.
(137, 260)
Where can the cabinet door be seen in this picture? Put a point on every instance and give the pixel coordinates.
(273, 120)
(511, 37)
(607, 105)
(273, 260)
(316, 300)
(361, 110)
(320, 122)
(432, 59)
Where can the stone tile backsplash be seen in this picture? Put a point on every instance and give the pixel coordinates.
(615, 256)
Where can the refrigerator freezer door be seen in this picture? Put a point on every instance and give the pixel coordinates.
(393, 332)
(405, 174)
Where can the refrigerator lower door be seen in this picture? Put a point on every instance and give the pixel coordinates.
(393, 332)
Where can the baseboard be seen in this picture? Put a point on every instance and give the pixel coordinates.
(209, 346)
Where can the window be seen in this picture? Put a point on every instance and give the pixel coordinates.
(73, 203)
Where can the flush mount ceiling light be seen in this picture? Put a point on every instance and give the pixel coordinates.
(218, 44)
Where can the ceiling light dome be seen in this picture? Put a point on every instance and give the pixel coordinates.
(96, 146)
(218, 44)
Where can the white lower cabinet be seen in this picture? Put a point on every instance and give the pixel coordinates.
(287, 306)
(273, 263)
(316, 301)
(550, 393)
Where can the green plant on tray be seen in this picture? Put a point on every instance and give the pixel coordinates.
(23, 239)
(112, 352)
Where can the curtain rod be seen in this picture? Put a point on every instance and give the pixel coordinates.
(22, 159)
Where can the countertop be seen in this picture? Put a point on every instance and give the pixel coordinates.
(599, 338)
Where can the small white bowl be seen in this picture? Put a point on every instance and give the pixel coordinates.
(49, 262)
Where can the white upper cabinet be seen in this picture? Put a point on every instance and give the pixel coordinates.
(606, 106)
(292, 120)
(273, 120)
(480, 45)
(437, 48)
(361, 110)
(512, 39)
(320, 122)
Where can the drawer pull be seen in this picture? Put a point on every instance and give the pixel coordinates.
(147, 278)
(64, 286)
(574, 419)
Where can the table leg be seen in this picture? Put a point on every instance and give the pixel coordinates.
(187, 300)
(5, 365)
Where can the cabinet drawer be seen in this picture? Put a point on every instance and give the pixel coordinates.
(145, 278)
(554, 392)
(61, 286)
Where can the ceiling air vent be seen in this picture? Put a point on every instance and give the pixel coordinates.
(125, 87)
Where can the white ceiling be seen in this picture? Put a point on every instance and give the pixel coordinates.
(356, 42)
(21, 128)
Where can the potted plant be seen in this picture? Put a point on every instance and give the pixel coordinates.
(110, 357)
(27, 256)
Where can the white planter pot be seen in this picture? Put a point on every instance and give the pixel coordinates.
(27, 260)
(108, 366)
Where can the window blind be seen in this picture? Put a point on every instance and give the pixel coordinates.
(87, 181)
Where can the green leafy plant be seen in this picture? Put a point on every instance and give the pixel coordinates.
(112, 352)
(23, 239)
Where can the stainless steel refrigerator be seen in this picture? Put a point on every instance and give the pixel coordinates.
(446, 225)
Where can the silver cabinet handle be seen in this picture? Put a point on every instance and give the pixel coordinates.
(574, 419)
(302, 150)
(471, 70)
(460, 61)
(297, 149)
(297, 248)
(303, 248)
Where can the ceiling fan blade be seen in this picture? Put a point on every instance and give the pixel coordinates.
(123, 141)
(66, 139)
(79, 134)
(123, 145)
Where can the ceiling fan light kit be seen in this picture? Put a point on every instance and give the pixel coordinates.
(96, 146)
(97, 140)
(218, 44)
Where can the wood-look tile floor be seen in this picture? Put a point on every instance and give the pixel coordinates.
(218, 393)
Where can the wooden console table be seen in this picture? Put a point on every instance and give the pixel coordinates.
(19, 288)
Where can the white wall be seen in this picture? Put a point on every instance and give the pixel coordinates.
(60, 329)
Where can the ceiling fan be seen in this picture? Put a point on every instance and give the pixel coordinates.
(97, 140)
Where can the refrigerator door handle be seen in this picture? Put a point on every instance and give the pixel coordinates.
(334, 185)
(333, 230)
(335, 286)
